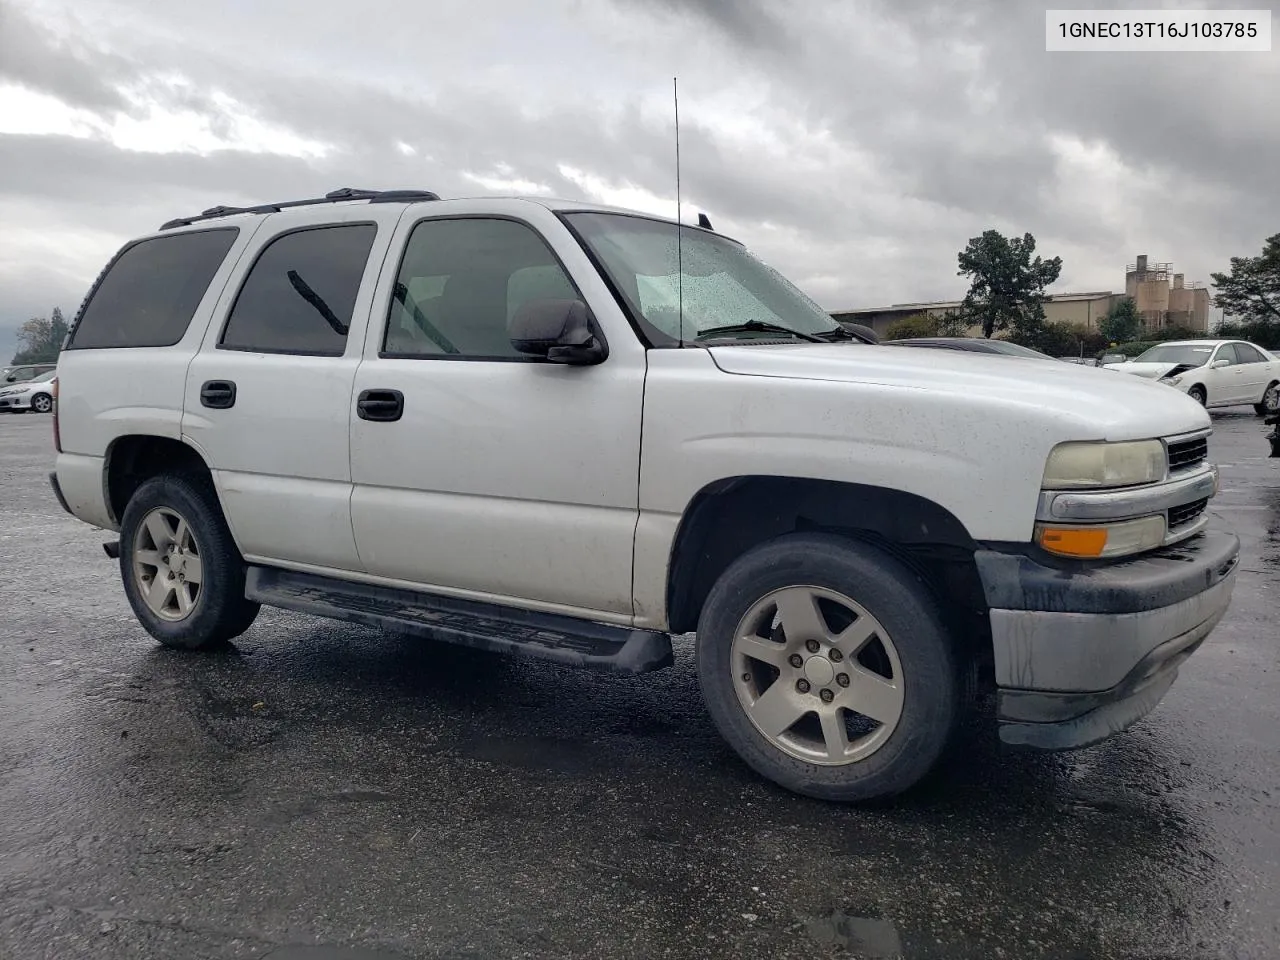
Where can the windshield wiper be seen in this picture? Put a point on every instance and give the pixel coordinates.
(757, 326)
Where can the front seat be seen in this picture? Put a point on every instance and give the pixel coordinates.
(472, 313)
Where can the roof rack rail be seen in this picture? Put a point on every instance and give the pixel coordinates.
(333, 196)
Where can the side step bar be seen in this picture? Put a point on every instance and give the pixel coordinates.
(546, 636)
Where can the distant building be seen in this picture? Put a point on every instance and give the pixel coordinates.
(1164, 299)
(1159, 303)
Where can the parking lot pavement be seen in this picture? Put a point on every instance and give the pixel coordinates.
(324, 786)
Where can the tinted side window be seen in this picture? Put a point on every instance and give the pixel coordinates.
(301, 292)
(147, 297)
(461, 281)
(1248, 354)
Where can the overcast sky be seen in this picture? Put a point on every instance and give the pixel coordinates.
(855, 145)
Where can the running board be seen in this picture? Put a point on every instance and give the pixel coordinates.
(510, 630)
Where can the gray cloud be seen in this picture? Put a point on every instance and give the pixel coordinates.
(76, 73)
(754, 23)
(857, 146)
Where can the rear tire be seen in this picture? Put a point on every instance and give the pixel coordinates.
(1197, 394)
(182, 572)
(868, 635)
(1270, 401)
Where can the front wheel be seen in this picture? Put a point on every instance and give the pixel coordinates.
(42, 403)
(1197, 394)
(182, 572)
(824, 663)
(1270, 401)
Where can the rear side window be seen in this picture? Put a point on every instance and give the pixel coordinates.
(148, 295)
(300, 294)
(1248, 354)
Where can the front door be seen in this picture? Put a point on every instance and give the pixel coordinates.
(504, 478)
(1222, 377)
(267, 397)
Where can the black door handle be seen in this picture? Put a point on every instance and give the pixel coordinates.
(384, 406)
(219, 394)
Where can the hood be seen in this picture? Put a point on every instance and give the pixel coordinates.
(1153, 371)
(1095, 400)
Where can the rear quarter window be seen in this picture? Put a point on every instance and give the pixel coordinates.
(149, 293)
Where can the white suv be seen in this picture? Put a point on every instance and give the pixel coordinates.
(516, 424)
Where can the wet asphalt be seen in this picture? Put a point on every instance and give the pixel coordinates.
(328, 792)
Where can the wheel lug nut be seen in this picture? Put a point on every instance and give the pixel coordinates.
(835, 655)
(802, 686)
(746, 678)
(813, 645)
(827, 696)
(796, 660)
(842, 679)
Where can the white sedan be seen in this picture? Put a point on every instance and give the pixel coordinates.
(34, 395)
(1218, 373)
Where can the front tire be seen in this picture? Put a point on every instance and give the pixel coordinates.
(825, 665)
(1197, 394)
(41, 403)
(182, 572)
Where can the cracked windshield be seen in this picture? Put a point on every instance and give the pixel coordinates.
(639, 480)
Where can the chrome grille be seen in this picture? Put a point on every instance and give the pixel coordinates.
(1184, 454)
(1188, 512)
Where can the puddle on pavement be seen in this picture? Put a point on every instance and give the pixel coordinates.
(868, 937)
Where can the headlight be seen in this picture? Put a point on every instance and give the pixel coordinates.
(1073, 466)
(1103, 540)
(1172, 380)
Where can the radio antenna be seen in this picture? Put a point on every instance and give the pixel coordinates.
(675, 96)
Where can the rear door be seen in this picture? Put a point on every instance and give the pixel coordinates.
(1254, 372)
(268, 396)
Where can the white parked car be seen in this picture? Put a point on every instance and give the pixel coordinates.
(1216, 373)
(489, 421)
(36, 394)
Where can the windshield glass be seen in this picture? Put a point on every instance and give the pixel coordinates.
(724, 285)
(1196, 354)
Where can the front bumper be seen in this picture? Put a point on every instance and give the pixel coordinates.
(1081, 654)
(15, 403)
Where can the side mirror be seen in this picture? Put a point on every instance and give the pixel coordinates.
(11, 378)
(1221, 363)
(563, 331)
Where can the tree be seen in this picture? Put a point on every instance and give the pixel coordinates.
(1250, 293)
(953, 324)
(1122, 323)
(42, 338)
(1006, 288)
(916, 325)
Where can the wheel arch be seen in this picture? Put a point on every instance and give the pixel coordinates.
(132, 459)
(730, 516)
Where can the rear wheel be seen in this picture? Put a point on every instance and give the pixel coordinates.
(1197, 394)
(825, 665)
(182, 573)
(1270, 401)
